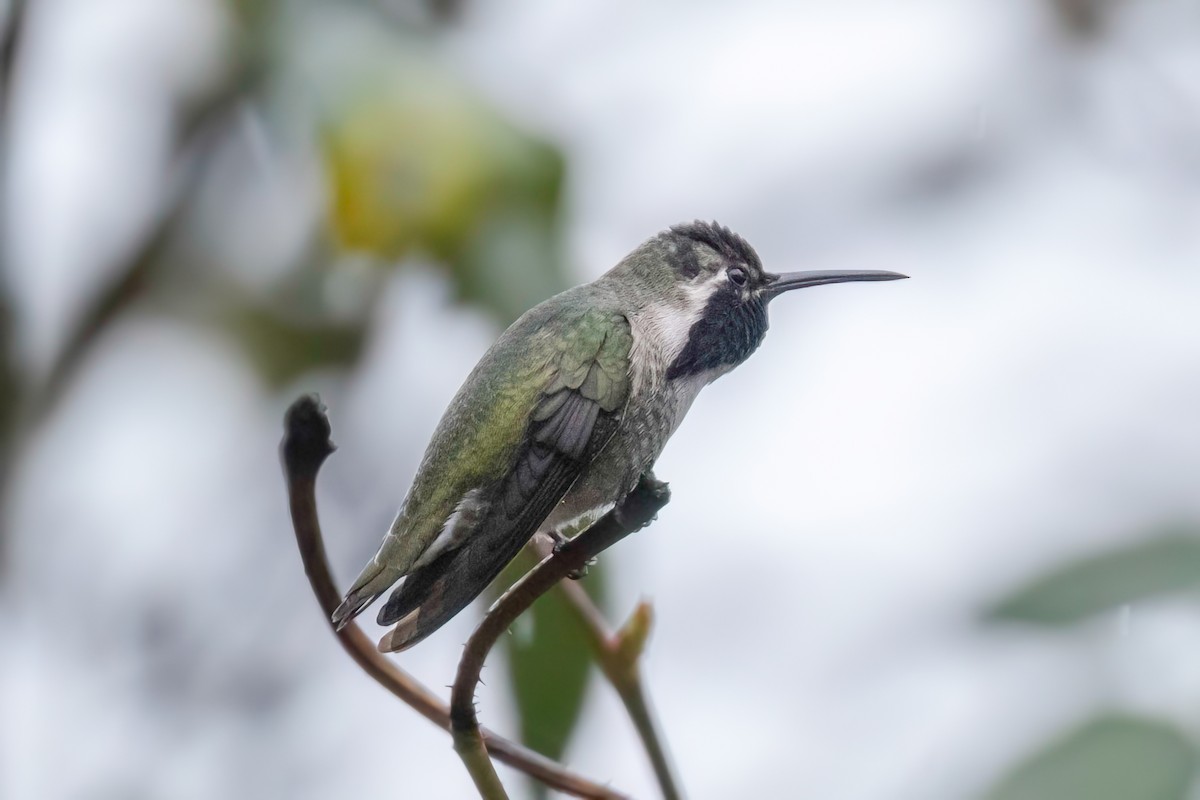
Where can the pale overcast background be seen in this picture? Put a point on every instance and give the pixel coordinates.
(893, 459)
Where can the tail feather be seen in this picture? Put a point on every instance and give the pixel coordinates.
(420, 605)
(403, 636)
(375, 579)
(416, 589)
(432, 595)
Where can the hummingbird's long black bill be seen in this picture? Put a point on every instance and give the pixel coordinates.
(798, 280)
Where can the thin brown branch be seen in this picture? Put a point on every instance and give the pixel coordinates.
(632, 692)
(306, 445)
(474, 754)
(631, 514)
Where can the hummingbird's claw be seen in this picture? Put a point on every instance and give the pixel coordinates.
(582, 572)
(559, 541)
(653, 485)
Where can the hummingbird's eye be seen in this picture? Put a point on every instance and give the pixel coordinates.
(738, 275)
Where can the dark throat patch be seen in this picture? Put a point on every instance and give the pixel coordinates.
(728, 331)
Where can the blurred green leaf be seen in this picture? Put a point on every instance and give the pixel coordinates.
(282, 348)
(1110, 758)
(417, 164)
(1162, 565)
(405, 171)
(510, 263)
(549, 664)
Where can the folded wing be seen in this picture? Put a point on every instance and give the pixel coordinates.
(576, 415)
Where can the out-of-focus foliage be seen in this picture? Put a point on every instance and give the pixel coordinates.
(1113, 757)
(632, 637)
(8, 374)
(1109, 758)
(1082, 19)
(418, 164)
(1167, 563)
(283, 348)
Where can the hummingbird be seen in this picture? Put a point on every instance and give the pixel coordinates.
(565, 412)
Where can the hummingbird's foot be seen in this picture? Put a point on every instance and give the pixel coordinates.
(559, 541)
(654, 485)
(582, 572)
(640, 507)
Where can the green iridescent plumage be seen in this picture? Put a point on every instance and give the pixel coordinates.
(543, 400)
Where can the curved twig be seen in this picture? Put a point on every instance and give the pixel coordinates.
(634, 512)
(305, 447)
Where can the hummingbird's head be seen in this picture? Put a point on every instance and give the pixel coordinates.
(710, 291)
